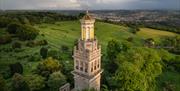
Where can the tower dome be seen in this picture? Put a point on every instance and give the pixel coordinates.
(88, 16)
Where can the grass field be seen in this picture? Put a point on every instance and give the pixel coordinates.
(170, 77)
(153, 33)
(67, 32)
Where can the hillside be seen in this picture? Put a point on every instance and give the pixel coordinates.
(66, 33)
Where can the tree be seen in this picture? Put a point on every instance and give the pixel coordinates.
(54, 54)
(26, 32)
(13, 27)
(64, 48)
(137, 69)
(48, 66)
(56, 80)
(43, 52)
(2, 83)
(18, 83)
(113, 49)
(5, 39)
(35, 82)
(16, 68)
(16, 45)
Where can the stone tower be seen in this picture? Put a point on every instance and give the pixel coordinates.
(87, 57)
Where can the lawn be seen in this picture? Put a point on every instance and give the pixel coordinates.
(171, 77)
(67, 32)
(153, 33)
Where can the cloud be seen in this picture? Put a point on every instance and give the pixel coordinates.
(89, 4)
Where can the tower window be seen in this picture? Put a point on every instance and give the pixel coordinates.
(98, 64)
(91, 69)
(81, 66)
(95, 65)
(77, 64)
(86, 67)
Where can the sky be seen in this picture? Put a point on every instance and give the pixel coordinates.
(88, 4)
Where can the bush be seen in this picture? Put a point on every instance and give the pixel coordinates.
(56, 80)
(41, 42)
(16, 45)
(36, 43)
(30, 44)
(13, 27)
(43, 52)
(35, 82)
(2, 83)
(34, 58)
(27, 33)
(19, 83)
(64, 48)
(5, 39)
(16, 68)
(53, 54)
(48, 66)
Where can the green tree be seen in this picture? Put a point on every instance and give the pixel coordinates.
(54, 54)
(26, 32)
(16, 45)
(48, 66)
(13, 27)
(56, 80)
(43, 52)
(16, 68)
(2, 84)
(35, 82)
(137, 70)
(18, 83)
(113, 49)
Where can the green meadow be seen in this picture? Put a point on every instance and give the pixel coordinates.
(67, 32)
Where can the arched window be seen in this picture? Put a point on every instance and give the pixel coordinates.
(86, 67)
(92, 67)
(77, 64)
(81, 66)
(95, 65)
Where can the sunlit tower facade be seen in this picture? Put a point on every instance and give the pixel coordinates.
(87, 57)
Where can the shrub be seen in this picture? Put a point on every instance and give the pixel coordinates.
(19, 83)
(30, 44)
(42, 42)
(5, 39)
(16, 68)
(35, 82)
(2, 83)
(16, 45)
(53, 54)
(56, 80)
(13, 27)
(36, 43)
(43, 52)
(48, 66)
(27, 33)
(34, 58)
(64, 48)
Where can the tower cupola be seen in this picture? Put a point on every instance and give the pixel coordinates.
(87, 27)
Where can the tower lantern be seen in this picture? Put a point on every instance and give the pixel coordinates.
(87, 57)
(87, 27)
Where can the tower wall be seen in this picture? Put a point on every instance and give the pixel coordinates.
(87, 57)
